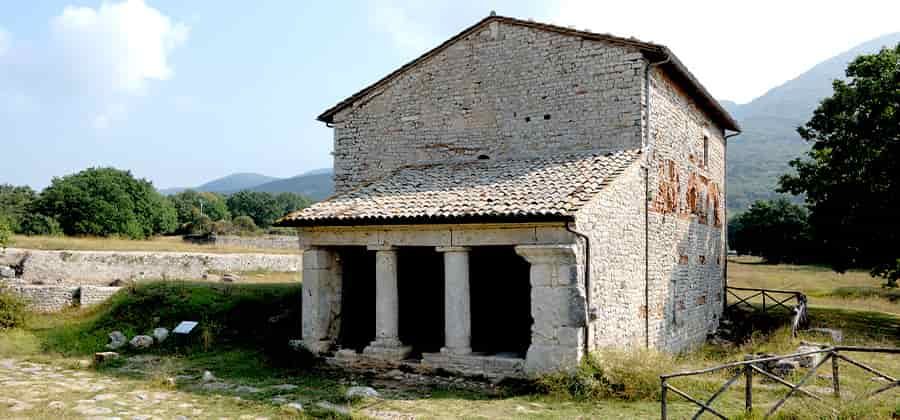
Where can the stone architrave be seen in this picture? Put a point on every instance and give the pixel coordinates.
(557, 306)
(387, 343)
(457, 301)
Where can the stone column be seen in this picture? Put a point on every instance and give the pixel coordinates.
(387, 343)
(457, 301)
(321, 299)
(557, 306)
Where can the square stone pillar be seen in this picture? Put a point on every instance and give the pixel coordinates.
(457, 301)
(321, 299)
(387, 343)
(557, 306)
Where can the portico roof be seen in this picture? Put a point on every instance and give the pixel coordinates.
(551, 187)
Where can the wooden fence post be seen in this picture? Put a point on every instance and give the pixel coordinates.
(835, 378)
(748, 389)
(663, 396)
(764, 301)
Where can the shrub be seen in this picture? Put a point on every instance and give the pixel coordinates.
(12, 309)
(620, 374)
(5, 234)
(243, 224)
(39, 224)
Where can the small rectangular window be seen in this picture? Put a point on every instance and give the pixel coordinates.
(706, 151)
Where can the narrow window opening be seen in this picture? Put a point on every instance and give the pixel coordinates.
(527, 119)
(483, 157)
(706, 151)
(546, 116)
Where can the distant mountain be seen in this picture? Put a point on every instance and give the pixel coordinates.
(235, 182)
(760, 155)
(316, 184)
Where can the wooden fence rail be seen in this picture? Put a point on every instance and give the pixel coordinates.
(776, 298)
(748, 368)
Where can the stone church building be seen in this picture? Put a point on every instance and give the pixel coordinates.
(514, 198)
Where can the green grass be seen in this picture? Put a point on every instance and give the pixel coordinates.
(160, 243)
(244, 328)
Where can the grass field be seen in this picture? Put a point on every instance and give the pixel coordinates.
(159, 243)
(853, 289)
(245, 326)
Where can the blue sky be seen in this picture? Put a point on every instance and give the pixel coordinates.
(182, 92)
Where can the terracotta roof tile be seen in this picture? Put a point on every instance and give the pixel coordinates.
(542, 186)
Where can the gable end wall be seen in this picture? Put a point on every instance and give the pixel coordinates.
(504, 91)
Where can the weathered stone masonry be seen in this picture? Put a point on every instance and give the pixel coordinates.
(624, 249)
(506, 91)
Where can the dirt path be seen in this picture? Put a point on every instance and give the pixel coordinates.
(33, 390)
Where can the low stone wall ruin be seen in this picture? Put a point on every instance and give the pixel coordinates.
(257, 242)
(42, 298)
(100, 268)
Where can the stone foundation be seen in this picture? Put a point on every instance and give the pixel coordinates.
(473, 364)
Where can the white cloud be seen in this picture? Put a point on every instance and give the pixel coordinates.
(118, 46)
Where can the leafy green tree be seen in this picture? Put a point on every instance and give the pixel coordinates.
(104, 202)
(190, 204)
(14, 202)
(288, 202)
(264, 208)
(5, 234)
(851, 178)
(259, 206)
(39, 224)
(776, 230)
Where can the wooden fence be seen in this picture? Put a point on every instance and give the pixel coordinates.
(776, 298)
(747, 369)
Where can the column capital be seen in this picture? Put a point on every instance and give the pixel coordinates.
(381, 247)
(452, 249)
(548, 254)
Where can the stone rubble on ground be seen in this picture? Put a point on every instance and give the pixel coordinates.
(141, 342)
(7, 272)
(104, 356)
(294, 407)
(361, 392)
(230, 278)
(208, 376)
(809, 360)
(836, 335)
(116, 340)
(160, 334)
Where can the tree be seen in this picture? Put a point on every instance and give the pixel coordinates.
(851, 178)
(775, 230)
(39, 224)
(14, 202)
(288, 202)
(104, 202)
(189, 203)
(5, 234)
(243, 224)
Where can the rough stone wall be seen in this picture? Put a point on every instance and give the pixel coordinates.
(47, 298)
(686, 218)
(93, 295)
(614, 222)
(103, 267)
(504, 91)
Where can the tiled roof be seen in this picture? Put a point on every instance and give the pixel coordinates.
(533, 187)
